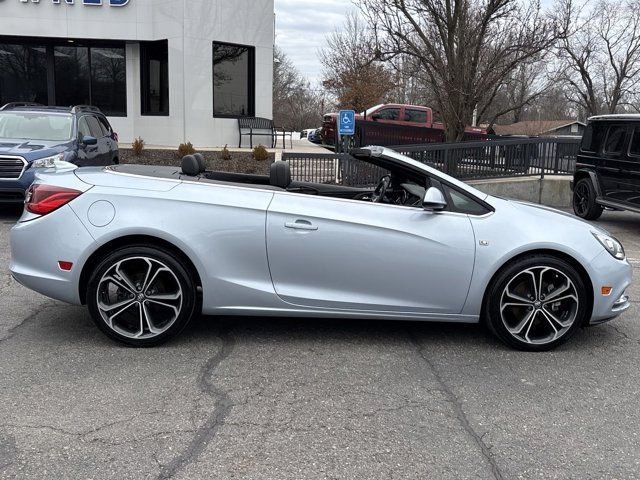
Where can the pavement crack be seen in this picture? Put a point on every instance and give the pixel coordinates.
(223, 405)
(453, 399)
(41, 308)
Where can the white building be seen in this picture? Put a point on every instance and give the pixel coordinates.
(168, 71)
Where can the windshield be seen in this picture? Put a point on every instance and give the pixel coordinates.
(35, 126)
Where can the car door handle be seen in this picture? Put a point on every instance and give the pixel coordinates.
(301, 225)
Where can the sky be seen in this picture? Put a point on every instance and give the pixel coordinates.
(301, 26)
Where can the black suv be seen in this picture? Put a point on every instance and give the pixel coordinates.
(608, 166)
(33, 136)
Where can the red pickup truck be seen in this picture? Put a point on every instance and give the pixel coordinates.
(392, 114)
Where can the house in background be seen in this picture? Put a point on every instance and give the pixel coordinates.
(542, 128)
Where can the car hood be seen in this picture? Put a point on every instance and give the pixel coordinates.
(545, 214)
(32, 149)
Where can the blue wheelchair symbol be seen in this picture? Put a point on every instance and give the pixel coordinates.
(347, 122)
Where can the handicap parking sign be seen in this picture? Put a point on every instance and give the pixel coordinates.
(347, 122)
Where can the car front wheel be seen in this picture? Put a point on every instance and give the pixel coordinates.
(141, 296)
(536, 303)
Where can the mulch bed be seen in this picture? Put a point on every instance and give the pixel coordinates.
(239, 162)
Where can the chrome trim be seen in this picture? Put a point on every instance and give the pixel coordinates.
(24, 167)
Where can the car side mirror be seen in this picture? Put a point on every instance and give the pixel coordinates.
(375, 116)
(434, 200)
(87, 140)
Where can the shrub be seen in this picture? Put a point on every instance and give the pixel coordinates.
(225, 154)
(186, 149)
(137, 146)
(260, 153)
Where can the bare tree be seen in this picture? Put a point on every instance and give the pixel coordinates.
(295, 104)
(465, 48)
(600, 54)
(350, 70)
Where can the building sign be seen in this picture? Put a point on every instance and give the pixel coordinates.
(97, 3)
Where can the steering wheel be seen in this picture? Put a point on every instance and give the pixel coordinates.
(381, 189)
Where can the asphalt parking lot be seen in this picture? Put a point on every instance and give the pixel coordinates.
(309, 399)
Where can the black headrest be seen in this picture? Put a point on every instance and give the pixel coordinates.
(201, 162)
(190, 165)
(280, 174)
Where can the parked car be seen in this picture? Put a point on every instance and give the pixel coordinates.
(34, 136)
(305, 133)
(148, 248)
(394, 114)
(314, 136)
(608, 166)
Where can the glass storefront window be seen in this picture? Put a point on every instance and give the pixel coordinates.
(109, 80)
(233, 80)
(23, 73)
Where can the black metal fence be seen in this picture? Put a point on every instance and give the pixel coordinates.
(498, 158)
(466, 161)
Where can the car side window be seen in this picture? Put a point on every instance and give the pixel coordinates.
(634, 148)
(412, 115)
(389, 114)
(462, 203)
(94, 126)
(593, 137)
(106, 129)
(83, 128)
(614, 144)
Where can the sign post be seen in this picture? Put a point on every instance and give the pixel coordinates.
(346, 128)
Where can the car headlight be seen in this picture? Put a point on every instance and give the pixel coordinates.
(613, 246)
(48, 162)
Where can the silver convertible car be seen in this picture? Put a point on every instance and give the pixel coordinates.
(149, 248)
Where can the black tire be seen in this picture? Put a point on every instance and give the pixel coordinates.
(184, 308)
(552, 269)
(584, 200)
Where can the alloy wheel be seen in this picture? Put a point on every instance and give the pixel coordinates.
(139, 297)
(539, 305)
(581, 198)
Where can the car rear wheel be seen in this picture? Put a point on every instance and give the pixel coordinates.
(141, 296)
(536, 303)
(584, 200)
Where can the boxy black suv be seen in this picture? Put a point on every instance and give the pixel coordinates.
(608, 166)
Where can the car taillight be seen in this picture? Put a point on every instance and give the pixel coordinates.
(114, 136)
(43, 199)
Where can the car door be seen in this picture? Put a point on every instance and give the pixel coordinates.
(111, 144)
(346, 254)
(387, 115)
(104, 141)
(614, 166)
(88, 155)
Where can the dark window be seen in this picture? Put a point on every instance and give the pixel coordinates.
(109, 80)
(411, 115)
(53, 73)
(23, 73)
(615, 139)
(233, 80)
(94, 126)
(73, 84)
(91, 76)
(593, 137)
(634, 148)
(154, 69)
(388, 114)
(83, 127)
(106, 128)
